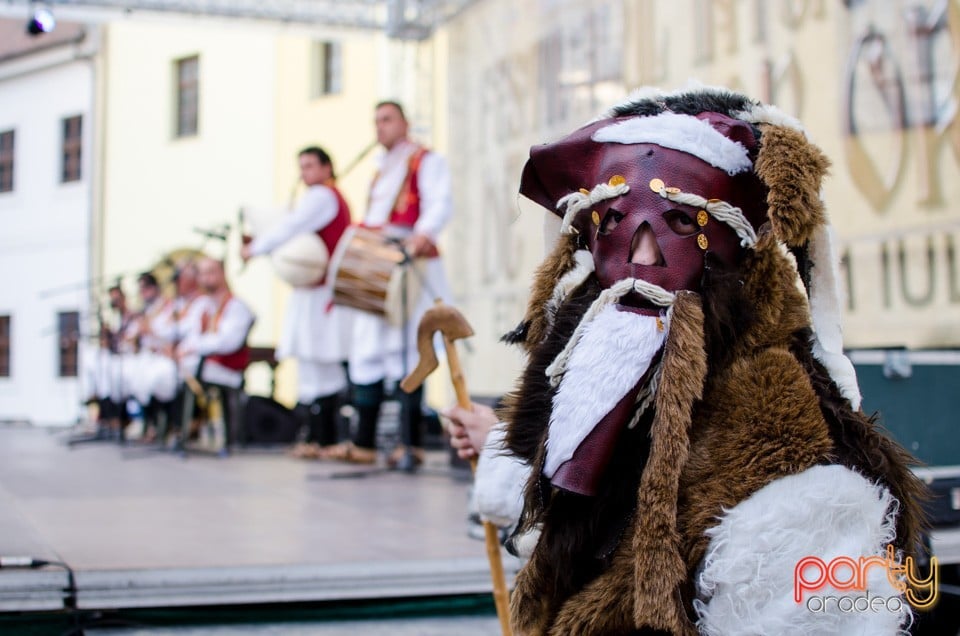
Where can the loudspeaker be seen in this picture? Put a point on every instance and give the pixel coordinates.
(266, 421)
(943, 507)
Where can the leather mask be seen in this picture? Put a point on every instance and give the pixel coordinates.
(614, 229)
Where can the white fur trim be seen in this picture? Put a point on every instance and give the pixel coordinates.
(525, 543)
(583, 267)
(654, 293)
(612, 355)
(746, 582)
(770, 114)
(825, 299)
(500, 480)
(680, 132)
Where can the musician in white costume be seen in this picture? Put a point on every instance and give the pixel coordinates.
(312, 329)
(221, 345)
(184, 320)
(102, 368)
(410, 200)
(180, 321)
(151, 374)
(156, 369)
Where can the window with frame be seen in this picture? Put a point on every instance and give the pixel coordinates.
(188, 96)
(6, 160)
(68, 332)
(326, 69)
(72, 148)
(4, 346)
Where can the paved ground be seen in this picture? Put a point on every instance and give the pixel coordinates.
(469, 626)
(143, 528)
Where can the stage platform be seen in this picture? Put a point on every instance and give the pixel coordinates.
(142, 528)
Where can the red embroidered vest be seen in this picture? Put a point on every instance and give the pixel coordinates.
(331, 233)
(237, 360)
(406, 207)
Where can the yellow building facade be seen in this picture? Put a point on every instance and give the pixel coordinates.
(874, 82)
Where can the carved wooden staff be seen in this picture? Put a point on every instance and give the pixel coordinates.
(452, 325)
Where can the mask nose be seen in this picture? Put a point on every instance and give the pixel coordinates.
(644, 249)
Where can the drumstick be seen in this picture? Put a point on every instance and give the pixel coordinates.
(356, 160)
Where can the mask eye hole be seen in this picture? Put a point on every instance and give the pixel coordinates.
(681, 223)
(610, 222)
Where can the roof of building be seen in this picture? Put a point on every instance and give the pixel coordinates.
(15, 41)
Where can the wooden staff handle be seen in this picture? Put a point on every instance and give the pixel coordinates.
(501, 598)
(456, 375)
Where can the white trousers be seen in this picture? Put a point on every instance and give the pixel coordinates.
(319, 379)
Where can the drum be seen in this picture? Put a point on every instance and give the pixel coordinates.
(369, 273)
(302, 260)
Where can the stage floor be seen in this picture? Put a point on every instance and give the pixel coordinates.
(142, 528)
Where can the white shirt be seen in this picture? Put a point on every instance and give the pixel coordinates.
(155, 314)
(182, 320)
(231, 331)
(376, 347)
(433, 184)
(315, 210)
(229, 336)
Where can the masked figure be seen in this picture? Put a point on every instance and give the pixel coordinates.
(692, 427)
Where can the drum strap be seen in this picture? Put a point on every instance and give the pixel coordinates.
(406, 207)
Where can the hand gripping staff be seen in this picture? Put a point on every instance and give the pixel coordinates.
(452, 325)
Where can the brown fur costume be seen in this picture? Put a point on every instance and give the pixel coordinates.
(742, 401)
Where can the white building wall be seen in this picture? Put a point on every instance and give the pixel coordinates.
(43, 233)
(158, 187)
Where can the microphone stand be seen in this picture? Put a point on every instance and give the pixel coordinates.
(407, 265)
(104, 352)
(406, 418)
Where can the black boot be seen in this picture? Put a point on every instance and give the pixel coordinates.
(367, 399)
(323, 420)
(409, 456)
(301, 411)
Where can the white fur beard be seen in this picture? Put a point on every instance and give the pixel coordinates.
(615, 351)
